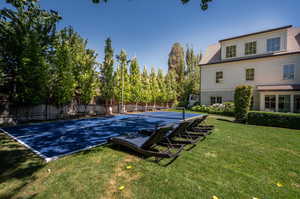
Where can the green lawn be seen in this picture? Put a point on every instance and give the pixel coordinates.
(236, 161)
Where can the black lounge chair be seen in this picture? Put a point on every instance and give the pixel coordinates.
(146, 145)
(195, 127)
(198, 125)
(180, 135)
(185, 137)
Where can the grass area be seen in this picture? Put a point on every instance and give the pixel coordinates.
(236, 161)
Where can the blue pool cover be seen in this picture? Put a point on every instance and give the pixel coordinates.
(55, 139)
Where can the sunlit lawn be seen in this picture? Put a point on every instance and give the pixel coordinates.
(236, 161)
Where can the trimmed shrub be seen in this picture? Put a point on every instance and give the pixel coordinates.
(242, 101)
(284, 120)
(226, 109)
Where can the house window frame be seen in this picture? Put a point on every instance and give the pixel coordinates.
(251, 48)
(285, 108)
(250, 77)
(271, 49)
(270, 104)
(216, 100)
(284, 77)
(219, 79)
(231, 51)
(295, 103)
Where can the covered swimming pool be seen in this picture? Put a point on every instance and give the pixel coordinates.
(52, 140)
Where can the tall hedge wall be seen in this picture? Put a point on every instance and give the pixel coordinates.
(284, 120)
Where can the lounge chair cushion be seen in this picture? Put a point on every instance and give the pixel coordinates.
(134, 139)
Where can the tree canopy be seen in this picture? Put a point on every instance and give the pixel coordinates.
(39, 64)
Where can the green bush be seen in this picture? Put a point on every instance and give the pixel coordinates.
(226, 109)
(242, 101)
(284, 120)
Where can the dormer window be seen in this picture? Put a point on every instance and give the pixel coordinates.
(230, 51)
(250, 48)
(273, 44)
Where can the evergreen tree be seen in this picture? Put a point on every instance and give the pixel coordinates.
(107, 69)
(135, 82)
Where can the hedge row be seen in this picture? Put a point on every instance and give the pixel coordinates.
(284, 120)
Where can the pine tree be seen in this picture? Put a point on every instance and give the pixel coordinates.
(135, 82)
(107, 69)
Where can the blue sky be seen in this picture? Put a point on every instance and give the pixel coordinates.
(148, 28)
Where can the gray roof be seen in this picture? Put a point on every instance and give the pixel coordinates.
(213, 52)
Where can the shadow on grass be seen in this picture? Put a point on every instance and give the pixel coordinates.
(226, 120)
(125, 150)
(18, 163)
(164, 162)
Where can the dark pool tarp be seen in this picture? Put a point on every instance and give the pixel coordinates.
(54, 139)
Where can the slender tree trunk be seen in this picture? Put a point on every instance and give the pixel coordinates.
(106, 107)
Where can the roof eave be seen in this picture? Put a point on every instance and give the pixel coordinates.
(255, 33)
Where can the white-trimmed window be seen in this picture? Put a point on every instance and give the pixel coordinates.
(289, 72)
(219, 77)
(273, 44)
(230, 51)
(270, 102)
(250, 73)
(297, 103)
(284, 103)
(250, 48)
(216, 100)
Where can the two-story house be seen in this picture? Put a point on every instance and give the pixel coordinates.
(268, 60)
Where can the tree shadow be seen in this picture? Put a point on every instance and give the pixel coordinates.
(17, 162)
(127, 150)
(226, 120)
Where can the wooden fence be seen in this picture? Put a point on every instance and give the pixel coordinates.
(20, 114)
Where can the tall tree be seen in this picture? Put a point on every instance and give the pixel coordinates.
(107, 69)
(84, 67)
(154, 89)
(177, 63)
(123, 91)
(135, 82)
(146, 95)
(162, 98)
(62, 84)
(176, 59)
(191, 84)
(171, 87)
(27, 33)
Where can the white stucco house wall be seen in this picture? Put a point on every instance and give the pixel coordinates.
(268, 60)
